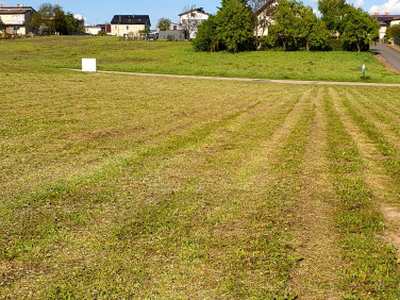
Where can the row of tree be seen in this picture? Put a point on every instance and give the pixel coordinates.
(292, 27)
(51, 19)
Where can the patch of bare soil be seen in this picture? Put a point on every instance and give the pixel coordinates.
(392, 232)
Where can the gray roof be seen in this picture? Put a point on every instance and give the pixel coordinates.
(131, 19)
(16, 10)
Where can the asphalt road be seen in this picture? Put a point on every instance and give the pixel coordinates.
(391, 56)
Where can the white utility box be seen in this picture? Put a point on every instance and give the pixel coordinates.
(89, 65)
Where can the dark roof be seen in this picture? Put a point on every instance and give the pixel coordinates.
(385, 18)
(262, 8)
(131, 19)
(16, 10)
(199, 10)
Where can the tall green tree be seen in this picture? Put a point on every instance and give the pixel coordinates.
(286, 30)
(206, 38)
(2, 25)
(164, 24)
(55, 20)
(333, 12)
(359, 29)
(393, 31)
(234, 25)
(312, 31)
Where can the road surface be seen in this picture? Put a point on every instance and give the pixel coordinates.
(391, 56)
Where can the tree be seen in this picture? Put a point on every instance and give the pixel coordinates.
(164, 24)
(393, 31)
(333, 12)
(234, 27)
(206, 38)
(359, 29)
(54, 19)
(312, 31)
(286, 29)
(2, 25)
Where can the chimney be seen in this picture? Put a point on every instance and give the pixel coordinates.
(376, 14)
(386, 13)
(20, 5)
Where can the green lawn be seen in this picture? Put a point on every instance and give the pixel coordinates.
(117, 186)
(180, 58)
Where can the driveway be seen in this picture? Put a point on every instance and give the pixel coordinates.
(391, 56)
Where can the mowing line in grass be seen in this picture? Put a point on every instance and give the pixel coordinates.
(371, 268)
(181, 213)
(64, 286)
(318, 274)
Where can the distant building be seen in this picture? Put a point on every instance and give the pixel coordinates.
(17, 19)
(191, 19)
(123, 25)
(265, 18)
(92, 30)
(385, 21)
(175, 26)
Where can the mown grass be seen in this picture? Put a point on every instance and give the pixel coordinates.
(180, 58)
(359, 219)
(131, 187)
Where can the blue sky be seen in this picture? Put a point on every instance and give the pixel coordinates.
(101, 11)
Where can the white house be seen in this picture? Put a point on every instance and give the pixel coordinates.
(17, 19)
(192, 18)
(385, 21)
(92, 30)
(264, 17)
(175, 26)
(123, 25)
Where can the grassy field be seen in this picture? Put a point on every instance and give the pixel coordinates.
(127, 187)
(180, 58)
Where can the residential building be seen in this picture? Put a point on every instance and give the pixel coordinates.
(175, 26)
(189, 21)
(124, 25)
(264, 17)
(92, 30)
(17, 19)
(385, 21)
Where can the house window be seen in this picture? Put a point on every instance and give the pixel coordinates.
(127, 27)
(116, 27)
(175, 28)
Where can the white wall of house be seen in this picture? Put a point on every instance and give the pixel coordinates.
(394, 22)
(16, 23)
(175, 26)
(262, 30)
(382, 32)
(195, 18)
(125, 29)
(93, 30)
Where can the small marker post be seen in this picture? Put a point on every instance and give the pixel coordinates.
(363, 70)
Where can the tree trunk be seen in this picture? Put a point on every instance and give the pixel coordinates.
(358, 47)
(307, 46)
(283, 46)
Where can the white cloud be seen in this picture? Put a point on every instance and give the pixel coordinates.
(391, 7)
(79, 16)
(359, 3)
